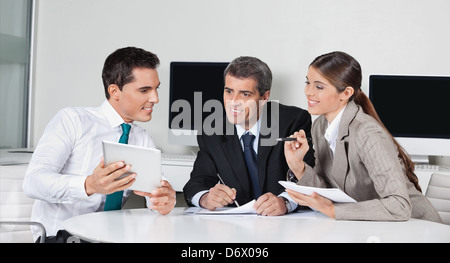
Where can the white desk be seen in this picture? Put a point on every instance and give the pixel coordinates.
(143, 225)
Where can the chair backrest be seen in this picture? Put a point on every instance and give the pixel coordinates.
(438, 192)
(14, 205)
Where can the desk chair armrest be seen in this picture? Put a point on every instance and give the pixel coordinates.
(39, 225)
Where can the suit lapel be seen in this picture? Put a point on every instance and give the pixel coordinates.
(323, 149)
(233, 151)
(340, 163)
(268, 132)
(263, 156)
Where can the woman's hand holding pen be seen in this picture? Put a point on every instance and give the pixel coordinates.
(295, 151)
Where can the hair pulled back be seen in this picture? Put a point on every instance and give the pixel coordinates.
(342, 71)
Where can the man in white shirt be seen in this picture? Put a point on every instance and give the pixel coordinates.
(67, 174)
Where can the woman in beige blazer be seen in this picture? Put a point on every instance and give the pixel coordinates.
(354, 151)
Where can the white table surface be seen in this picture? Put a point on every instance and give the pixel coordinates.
(143, 225)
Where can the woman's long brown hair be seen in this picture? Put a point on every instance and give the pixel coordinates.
(342, 71)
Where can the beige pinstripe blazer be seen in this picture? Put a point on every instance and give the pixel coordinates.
(366, 167)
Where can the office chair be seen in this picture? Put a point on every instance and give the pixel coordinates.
(11, 236)
(438, 192)
(15, 207)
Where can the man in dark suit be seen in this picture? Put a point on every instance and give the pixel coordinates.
(246, 155)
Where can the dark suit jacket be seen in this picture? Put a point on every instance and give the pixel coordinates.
(223, 154)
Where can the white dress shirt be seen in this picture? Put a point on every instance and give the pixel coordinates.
(254, 131)
(331, 133)
(69, 151)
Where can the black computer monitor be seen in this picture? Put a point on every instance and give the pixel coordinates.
(415, 109)
(193, 84)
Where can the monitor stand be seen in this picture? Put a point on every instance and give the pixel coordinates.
(420, 159)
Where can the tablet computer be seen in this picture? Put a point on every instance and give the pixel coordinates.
(145, 162)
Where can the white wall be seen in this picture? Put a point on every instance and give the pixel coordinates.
(75, 36)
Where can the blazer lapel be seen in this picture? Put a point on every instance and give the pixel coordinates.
(340, 163)
(268, 133)
(263, 156)
(233, 151)
(323, 148)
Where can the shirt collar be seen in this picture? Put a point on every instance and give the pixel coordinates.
(111, 115)
(331, 133)
(253, 130)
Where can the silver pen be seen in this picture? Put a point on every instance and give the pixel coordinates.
(222, 182)
(291, 139)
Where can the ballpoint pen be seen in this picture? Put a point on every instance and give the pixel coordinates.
(291, 139)
(222, 182)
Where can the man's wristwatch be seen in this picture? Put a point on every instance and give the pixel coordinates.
(287, 203)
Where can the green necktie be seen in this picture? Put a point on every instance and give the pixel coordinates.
(114, 200)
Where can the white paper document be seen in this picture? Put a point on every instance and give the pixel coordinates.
(243, 209)
(334, 194)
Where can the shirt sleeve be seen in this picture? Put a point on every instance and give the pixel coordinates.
(293, 205)
(43, 179)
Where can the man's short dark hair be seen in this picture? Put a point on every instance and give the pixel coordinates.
(119, 66)
(251, 67)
